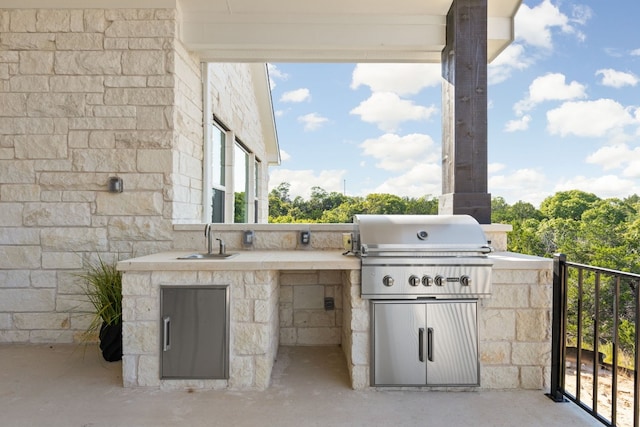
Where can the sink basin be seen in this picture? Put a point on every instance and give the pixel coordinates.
(205, 256)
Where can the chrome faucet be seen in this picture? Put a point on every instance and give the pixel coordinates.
(221, 246)
(207, 235)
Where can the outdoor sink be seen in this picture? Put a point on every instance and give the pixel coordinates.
(205, 256)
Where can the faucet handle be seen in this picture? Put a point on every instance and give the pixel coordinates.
(221, 246)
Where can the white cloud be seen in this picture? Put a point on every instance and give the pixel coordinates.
(402, 79)
(495, 167)
(617, 79)
(550, 87)
(301, 181)
(284, 156)
(534, 28)
(534, 25)
(635, 52)
(423, 179)
(312, 121)
(618, 156)
(510, 59)
(387, 111)
(298, 95)
(278, 113)
(599, 118)
(606, 186)
(275, 73)
(400, 153)
(518, 124)
(524, 184)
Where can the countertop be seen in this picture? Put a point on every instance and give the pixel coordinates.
(295, 260)
(244, 260)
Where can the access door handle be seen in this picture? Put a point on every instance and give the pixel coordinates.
(421, 344)
(166, 333)
(430, 344)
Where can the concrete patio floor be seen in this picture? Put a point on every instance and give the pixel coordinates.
(64, 385)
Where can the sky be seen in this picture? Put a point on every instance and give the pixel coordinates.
(564, 113)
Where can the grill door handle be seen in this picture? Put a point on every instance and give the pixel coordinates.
(430, 344)
(421, 344)
(166, 335)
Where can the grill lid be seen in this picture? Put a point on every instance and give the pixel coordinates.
(411, 235)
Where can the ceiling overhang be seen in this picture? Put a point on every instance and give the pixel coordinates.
(311, 31)
(330, 30)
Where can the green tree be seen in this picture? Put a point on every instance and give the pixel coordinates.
(377, 203)
(279, 201)
(567, 204)
(524, 238)
(421, 206)
(500, 211)
(239, 214)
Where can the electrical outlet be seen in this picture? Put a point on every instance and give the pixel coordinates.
(329, 303)
(305, 237)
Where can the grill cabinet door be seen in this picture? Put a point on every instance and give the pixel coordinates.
(452, 343)
(399, 329)
(194, 332)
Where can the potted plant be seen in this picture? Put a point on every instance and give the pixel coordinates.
(103, 288)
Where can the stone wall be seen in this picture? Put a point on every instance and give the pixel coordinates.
(85, 95)
(253, 333)
(355, 331)
(303, 317)
(515, 329)
(187, 154)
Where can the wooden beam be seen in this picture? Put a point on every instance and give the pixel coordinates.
(464, 112)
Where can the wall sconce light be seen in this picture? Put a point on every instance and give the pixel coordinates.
(115, 184)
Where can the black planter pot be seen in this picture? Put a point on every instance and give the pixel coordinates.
(111, 342)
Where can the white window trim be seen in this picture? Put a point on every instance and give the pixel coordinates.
(207, 192)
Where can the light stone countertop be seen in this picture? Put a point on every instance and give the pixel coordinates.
(245, 260)
(296, 260)
(516, 261)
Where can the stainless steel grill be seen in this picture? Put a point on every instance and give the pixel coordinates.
(423, 275)
(422, 256)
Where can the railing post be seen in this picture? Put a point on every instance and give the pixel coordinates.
(557, 328)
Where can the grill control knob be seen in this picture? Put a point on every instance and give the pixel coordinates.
(414, 280)
(387, 281)
(464, 280)
(438, 280)
(427, 280)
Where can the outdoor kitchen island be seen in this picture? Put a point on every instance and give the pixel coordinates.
(514, 324)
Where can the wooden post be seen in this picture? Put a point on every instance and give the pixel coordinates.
(464, 112)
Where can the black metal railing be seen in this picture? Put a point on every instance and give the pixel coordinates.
(594, 351)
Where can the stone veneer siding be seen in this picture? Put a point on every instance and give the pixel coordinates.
(303, 318)
(86, 94)
(515, 329)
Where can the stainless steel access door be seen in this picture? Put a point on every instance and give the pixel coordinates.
(425, 343)
(452, 337)
(398, 344)
(194, 329)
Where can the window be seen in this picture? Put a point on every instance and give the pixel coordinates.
(217, 167)
(240, 181)
(231, 171)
